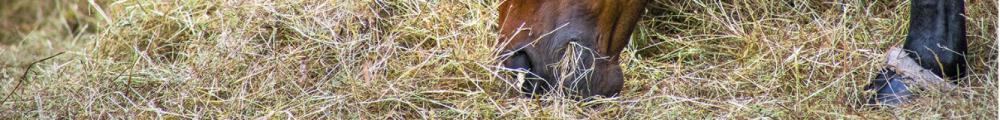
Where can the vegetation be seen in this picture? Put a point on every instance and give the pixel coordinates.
(378, 59)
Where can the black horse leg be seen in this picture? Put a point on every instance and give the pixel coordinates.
(936, 40)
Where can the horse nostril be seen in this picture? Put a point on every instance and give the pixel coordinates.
(533, 85)
(519, 60)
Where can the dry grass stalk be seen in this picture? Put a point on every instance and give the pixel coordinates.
(898, 61)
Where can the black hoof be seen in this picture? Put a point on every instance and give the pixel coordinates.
(890, 89)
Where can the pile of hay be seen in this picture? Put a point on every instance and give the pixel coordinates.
(379, 59)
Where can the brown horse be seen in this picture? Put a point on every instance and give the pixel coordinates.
(540, 35)
(538, 32)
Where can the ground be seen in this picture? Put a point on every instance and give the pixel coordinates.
(377, 59)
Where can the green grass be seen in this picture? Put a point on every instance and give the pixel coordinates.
(793, 59)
